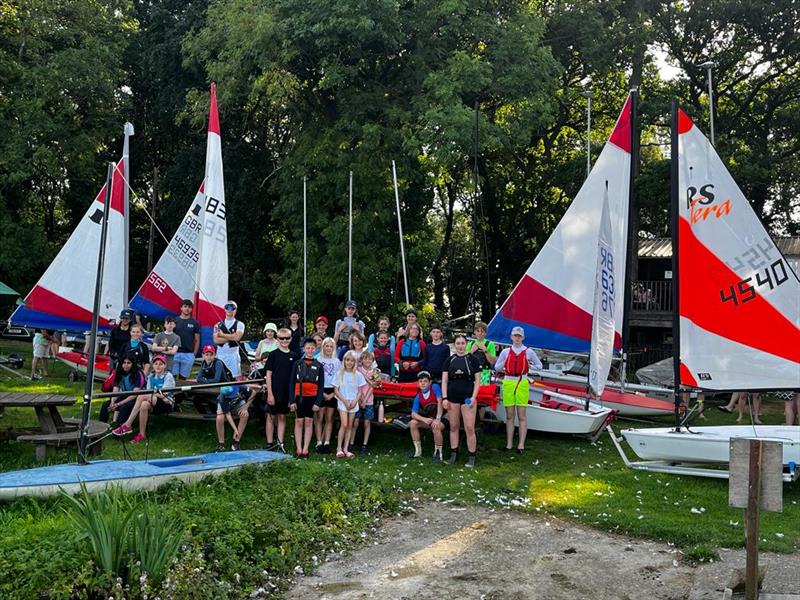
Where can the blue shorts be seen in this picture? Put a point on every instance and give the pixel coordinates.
(367, 413)
(182, 364)
(230, 402)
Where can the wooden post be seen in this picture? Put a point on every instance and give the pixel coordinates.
(751, 517)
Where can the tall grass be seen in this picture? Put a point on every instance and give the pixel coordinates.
(103, 519)
(155, 541)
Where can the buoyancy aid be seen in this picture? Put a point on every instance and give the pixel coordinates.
(516, 365)
(426, 402)
(309, 376)
(223, 329)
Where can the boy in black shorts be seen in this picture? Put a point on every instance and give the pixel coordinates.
(309, 381)
(280, 366)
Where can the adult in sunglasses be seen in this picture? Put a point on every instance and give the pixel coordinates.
(227, 334)
(280, 365)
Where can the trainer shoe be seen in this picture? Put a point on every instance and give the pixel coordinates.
(235, 446)
(220, 447)
(470, 461)
(138, 439)
(451, 460)
(122, 430)
(437, 458)
(281, 448)
(412, 454)
(363, 450)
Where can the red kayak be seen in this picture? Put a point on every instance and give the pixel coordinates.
(79, 362)
(487, 394)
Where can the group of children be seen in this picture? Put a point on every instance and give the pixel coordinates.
(320, 377)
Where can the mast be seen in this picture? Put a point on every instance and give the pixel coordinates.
(350, 245)
(400, 228)
(631, 253)
(126, 171)
(305, 256)
(676, 318)
(98, 289)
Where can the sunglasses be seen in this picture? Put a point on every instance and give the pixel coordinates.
(280, 337)
(230, 307)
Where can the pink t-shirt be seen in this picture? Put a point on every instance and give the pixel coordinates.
(366, 390)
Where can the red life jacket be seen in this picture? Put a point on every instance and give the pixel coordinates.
(425, 402)
(516, 364)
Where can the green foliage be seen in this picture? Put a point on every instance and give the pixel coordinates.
(701, 553)
(103, 518)
(155, 540)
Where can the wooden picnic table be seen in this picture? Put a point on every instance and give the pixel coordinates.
(53, 430)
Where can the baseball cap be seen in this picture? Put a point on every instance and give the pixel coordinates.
(209, 348)
(518, 331)
(322, 318)
(271, 327)
(160, 357)
(350, 304)
(423, 375)
(126, 314)
(230, 303)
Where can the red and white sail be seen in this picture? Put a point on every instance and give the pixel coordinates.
(64, 296)
(174, 275)
(605, 306)
(211, 290)
(739, 298)
(554, 300)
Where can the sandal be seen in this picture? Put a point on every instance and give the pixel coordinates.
(340, 454)
(349, 454)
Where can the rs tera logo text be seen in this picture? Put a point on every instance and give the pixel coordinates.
(701, 203)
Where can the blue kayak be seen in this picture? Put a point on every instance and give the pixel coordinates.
(130, 474)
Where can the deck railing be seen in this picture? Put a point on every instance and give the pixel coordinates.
(652, 296)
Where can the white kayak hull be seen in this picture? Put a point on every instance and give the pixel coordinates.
(555, 420)
(707, 444)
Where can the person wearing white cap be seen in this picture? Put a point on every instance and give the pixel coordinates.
(267, 345)
(227, 334)
(516, 362)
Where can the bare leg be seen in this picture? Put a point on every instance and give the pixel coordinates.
(757, 409)
(144, 414)
(454, 416)
(328, 430)
(244, 416)
(140, 400)
(318, 426)
(510, 410)
(298, 435)
(220, 423)
(468, 413)
(281, 428)
(353, 431)
(308, 426)
(270, 429)
(367, 431)
(522, 415)
(344, 434)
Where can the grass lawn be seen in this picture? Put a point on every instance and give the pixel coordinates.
(262, 523)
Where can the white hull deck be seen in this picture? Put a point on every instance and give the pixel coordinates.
(555, 420)
(707, 444)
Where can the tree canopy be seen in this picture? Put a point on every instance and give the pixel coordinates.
(478, 102)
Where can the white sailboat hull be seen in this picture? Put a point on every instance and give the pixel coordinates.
(707, 444)
(554, 420)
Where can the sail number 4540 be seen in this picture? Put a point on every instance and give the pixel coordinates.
(745, 289)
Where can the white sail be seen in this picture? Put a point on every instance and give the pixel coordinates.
(212, 270)
(174, 275)
(739, 299)
(553, 301)
(605, 306)
(64, 296)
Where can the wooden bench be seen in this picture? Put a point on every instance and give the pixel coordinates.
(42, 441)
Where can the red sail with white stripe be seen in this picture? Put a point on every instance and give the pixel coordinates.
(174, 275)
(739, 298)
(64, 296)
(554, 300)
(211, 291)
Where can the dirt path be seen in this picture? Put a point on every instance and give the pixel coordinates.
(448, 552)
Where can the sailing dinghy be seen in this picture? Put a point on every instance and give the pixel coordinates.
(554, 300)
(733, 286)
